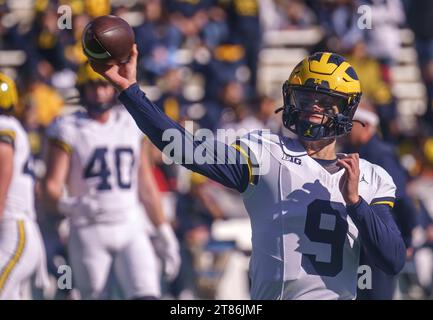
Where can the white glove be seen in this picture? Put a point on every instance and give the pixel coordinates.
(169, 250)
(74, 207)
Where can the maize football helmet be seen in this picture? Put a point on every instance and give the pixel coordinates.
(8, 94)
(325, 80)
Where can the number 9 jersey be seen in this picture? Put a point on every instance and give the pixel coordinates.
(104, 160)
(305, 244)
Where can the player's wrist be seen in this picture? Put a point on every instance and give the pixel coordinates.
(353, 201)
(122, 86)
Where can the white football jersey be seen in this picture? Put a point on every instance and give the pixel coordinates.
(20, 197)
(104, 160)
(305, 246)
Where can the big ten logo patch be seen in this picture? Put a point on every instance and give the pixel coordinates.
(292, 159)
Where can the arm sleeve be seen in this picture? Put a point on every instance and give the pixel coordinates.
(206, 156)
(405, 211)
(380, 235)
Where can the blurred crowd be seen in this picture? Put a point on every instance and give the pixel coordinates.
(200, 60)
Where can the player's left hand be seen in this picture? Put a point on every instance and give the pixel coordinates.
(169, 251)
(350, 180)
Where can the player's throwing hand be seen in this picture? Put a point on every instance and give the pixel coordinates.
(122, 75)
(350, 179)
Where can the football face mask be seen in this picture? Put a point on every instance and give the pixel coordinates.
(310, 102)
(316, 115)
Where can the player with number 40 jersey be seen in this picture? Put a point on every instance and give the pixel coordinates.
(103, 164)
(101, 158)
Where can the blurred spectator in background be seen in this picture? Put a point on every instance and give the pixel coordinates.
(172, 99)
(74, 50)
(48, 44)
(338, 19)
(165, 177)
(264, 107)
(245, 29)
(216, 29)
(419, 18)
(157, 41)
(9, 36)
(196, 211)
(383, 38)
(240, 116)
(346, 22)
(285, 14)
(40, 105)
(365, 140)
(200, 22)
(230, 95)
(227, 63)
(294, 14)
(421, 190)
(374, 88)
(46, 101)
(232, 99)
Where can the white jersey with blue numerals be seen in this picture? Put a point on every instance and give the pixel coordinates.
(104, 160)
(305, 246)
(104, 163)
(20, 197)
(22, 252)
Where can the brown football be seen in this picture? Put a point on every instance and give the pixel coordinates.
(108, 40)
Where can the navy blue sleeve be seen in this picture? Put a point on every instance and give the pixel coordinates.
(379, 235)
(405, 211)
(219, 161)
